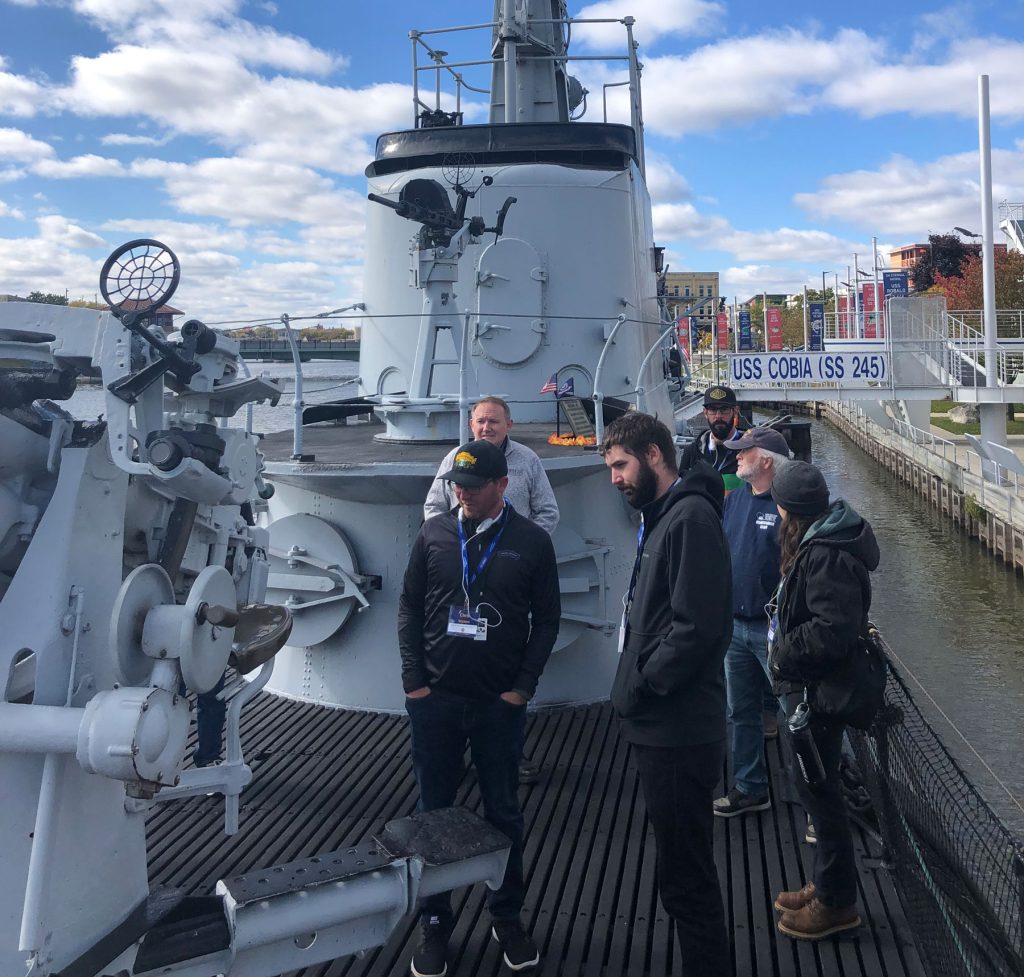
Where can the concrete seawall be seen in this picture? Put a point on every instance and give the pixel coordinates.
(990, 513)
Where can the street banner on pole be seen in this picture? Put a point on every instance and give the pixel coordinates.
(868, 307)
(844, 315)
(817, 314)
(774, 317)
(745, 343)
(683, 335)
(723, 332)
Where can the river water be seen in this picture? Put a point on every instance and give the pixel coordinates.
(953, 615)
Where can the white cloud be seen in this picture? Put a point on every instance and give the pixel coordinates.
(683, 220)
(664, 182)
(213, 95)
(944, 87)
(20, 146)
(245, 191)
(748, 78)
(19, 96)
(906, 198)
(748, 281)
(127, 139)
(6, 210)
(787, 244)
(78, 167)
(654, 19)
(60, 230)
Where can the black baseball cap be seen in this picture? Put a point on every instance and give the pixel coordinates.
(719, 396)
(760, 437)
(476, 463)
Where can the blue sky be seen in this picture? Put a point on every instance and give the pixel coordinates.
(781, 137)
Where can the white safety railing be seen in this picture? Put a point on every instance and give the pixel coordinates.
(997, 488)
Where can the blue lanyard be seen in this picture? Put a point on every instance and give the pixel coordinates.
(469, 579)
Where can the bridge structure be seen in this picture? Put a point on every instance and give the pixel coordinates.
(925, 353)
(278, 350)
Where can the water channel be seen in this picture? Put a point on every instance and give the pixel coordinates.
(954, 616)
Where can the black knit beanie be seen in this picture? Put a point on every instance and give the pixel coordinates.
(800, 489)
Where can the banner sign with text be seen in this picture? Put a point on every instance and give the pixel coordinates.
(774, 317)
(895, 284)
(745, 342)
(694, 334)
(868, 306)
(816, 312)
(723, 332)
(840, 369)
(844, 316)
(683, 335)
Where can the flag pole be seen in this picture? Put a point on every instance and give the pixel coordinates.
(558, 412)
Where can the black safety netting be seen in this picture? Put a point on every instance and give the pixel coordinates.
(958, 869)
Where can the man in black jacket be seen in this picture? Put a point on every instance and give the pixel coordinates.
(669, 690)
(478, 617)
(722, 412)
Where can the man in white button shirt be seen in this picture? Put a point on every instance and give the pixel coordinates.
(528, 490)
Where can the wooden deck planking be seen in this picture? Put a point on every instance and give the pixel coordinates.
(325, 779)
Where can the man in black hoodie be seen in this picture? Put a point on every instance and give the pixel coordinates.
(669, 690)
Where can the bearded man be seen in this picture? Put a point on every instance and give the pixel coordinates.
(669, 690)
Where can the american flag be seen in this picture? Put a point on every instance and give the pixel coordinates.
(566, 389)
(551, 386)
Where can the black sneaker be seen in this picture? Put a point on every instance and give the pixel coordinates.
(736, 802)
(520, 951)
(429, 959)
(529, 771)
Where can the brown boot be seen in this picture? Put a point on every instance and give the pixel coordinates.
(790, 902)
(816, 921)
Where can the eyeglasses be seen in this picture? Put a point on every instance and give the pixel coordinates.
(466, 490)
(721, 411)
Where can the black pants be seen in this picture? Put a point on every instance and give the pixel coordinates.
(835, 868)
(678, 785)
(441, 725)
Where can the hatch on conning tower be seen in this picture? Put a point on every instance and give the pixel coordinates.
(510, 302)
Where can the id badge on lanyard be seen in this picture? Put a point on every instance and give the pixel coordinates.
(464, 623)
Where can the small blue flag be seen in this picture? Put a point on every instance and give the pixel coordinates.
(566, 389)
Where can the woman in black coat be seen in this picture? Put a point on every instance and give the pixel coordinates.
(823, 601)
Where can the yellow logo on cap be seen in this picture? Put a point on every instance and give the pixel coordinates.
(717, 393)
(465, 460)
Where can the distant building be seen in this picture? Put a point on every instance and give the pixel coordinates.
(773, 298)
(693, 293)
(906, 257)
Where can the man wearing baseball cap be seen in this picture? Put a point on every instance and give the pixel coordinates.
(750, 520)
(477, 619)
(722, 412)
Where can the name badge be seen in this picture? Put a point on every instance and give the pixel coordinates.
(463, 623)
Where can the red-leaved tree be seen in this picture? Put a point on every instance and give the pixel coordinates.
(966, 291)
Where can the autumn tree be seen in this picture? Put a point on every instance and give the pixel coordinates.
(966, 291)
(945, 256)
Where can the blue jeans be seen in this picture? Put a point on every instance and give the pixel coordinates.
(746, 672)
(441, 725)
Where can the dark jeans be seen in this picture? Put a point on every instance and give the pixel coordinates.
(441, 725)
(678, 785)
(835, 868)
(210, 713)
